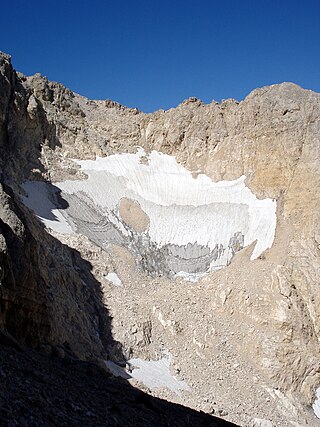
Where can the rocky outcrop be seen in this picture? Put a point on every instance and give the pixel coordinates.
(49, 298)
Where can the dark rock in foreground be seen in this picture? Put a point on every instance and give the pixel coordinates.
(40, 391)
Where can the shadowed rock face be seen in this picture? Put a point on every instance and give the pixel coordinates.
(256, 318)
(43, 286)
(91, 398)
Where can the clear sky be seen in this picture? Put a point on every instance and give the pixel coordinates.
(154, 54)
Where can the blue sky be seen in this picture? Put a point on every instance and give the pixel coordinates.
(155, 54)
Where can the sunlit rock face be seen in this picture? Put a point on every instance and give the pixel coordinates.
(174, 224)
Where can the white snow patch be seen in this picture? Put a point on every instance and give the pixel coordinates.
(114, 279)
(181, 209)
(156, 374)
(190, 277)
(152, 373)
(38, 200)
(316, 404)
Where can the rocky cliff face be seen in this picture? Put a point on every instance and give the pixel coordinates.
(254, 322)
(49, 297)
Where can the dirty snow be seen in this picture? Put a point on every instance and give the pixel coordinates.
(152, 373)
(156, 374)
(114, 279)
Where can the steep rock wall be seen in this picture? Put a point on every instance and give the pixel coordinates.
(48, 296)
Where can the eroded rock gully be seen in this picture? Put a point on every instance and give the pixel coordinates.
(182, 242)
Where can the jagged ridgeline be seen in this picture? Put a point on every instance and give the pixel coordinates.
(194, 229)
